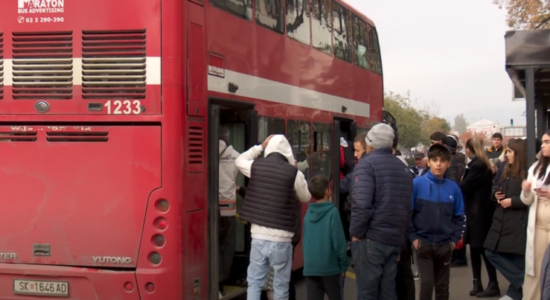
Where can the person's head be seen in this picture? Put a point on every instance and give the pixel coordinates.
(360, 145)
(419, 160)
(379, 136)
(223, 134)
(319, 188)
(544, 159)
(439, 159)
(278, 143)
(394, 144)
(474, 148)
(438, 138)
(516, 155)
(451, 143)
(497, 140)
(545, 146)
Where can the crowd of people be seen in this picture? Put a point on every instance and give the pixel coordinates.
(488, 199)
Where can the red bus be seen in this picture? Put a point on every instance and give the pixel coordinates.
(109, 115)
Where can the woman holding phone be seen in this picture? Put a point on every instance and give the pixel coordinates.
(505, 242)
(536, 194)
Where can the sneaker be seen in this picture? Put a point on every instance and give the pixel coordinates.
(506, 297)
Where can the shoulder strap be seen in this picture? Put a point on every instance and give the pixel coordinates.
(221, 154)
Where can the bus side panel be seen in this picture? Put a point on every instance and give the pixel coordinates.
(196, 255)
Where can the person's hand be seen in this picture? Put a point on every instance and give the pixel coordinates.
(499, 195)
(543, 193)
(416, 244)
(237, 188)
(354, 239)
(295, 163)
(505, 203)
(398, 257)
(526, 186)
(264, 144)
(453, 245)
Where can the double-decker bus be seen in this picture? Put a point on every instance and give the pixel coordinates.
(109, 113)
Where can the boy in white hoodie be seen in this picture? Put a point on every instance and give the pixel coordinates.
(269, 206)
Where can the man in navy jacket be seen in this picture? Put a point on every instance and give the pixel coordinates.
(380, 215)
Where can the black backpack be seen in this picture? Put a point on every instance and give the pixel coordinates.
(349, 159)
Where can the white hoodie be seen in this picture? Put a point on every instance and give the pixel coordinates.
(278, 143)
(228, 174)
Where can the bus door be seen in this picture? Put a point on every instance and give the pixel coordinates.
(347, 129)
(239, 119)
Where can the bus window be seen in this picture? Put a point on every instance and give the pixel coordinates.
(321, 160)
(321, 25)
(242, 8)
(341, 23)
(269, 14)
(268, 126)
(298, 134)
(374, 48)
(298, 22)
(360, 42)
(361, 130)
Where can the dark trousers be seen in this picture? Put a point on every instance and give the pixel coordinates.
(459, 256)
(434, 266)
(318, 286)
(512, 267)
(375, 266)
(404, 280)
(227, 241)
(344, 216)
(475, 256)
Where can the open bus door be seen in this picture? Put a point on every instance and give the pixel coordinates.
(242, 121)
(346, 128)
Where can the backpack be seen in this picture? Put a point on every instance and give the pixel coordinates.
(349, 159)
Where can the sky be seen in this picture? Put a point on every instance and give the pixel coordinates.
(446, 52)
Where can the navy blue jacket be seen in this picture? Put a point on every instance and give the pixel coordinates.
(438, 211)
(381, 195)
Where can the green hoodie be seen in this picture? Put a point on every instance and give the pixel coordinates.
(324, 244)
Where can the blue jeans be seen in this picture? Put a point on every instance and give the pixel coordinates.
(263, 254)
(375, 268)
(512, 267)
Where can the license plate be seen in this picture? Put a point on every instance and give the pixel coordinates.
(41, 288)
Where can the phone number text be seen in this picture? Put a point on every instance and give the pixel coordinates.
(41, 20)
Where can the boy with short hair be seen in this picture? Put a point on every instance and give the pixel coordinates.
(434, 240)
(324, 244)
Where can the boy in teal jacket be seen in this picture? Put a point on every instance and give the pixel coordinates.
(323, 244)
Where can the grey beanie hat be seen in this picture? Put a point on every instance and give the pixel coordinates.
(380, 136)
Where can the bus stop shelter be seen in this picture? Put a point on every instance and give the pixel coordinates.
(528, 65)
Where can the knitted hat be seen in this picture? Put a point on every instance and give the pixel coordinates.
(452, 143)
(380, 136)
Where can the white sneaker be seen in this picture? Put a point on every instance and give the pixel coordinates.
(221, 296)
(506, 297)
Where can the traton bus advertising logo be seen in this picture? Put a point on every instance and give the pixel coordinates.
(40, 6)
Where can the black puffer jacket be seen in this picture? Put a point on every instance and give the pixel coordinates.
(381, 192)
(508, 232)
(456, 169)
